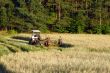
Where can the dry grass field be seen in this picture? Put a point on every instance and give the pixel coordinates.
(89, 54)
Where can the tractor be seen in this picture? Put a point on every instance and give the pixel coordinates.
(36, 40)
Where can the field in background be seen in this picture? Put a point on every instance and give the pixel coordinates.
(89, 54)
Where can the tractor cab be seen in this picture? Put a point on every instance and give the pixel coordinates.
(35, 33)
(35, 38)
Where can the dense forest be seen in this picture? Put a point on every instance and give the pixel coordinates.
(69, 16)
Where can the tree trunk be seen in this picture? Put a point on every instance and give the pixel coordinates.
(100, 16)
(76, 6)
(58, 11)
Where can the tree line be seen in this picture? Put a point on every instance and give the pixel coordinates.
(70, 16)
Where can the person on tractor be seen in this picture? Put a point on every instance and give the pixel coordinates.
(60, 41)
(35, 39)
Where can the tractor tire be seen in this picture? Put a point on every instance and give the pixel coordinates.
(30, 41)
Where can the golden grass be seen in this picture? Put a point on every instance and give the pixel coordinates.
(89, 54)
(57, 62)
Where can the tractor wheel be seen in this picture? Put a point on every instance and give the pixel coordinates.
(30, 41)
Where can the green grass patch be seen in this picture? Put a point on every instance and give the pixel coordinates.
(4, 50)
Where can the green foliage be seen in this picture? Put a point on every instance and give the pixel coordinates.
(81, 22)
(106, 28)
(3, 17)
(78, 24)
(62, 25)
(74, 16)
(52, 18)
(3, 50)
(12, 32)
(97, 29)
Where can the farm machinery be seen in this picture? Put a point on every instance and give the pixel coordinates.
(37, 40)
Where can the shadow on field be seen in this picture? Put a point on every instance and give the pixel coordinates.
(21, 38)
(4, 70)
(66, 45)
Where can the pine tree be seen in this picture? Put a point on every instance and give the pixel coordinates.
(3, 18)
